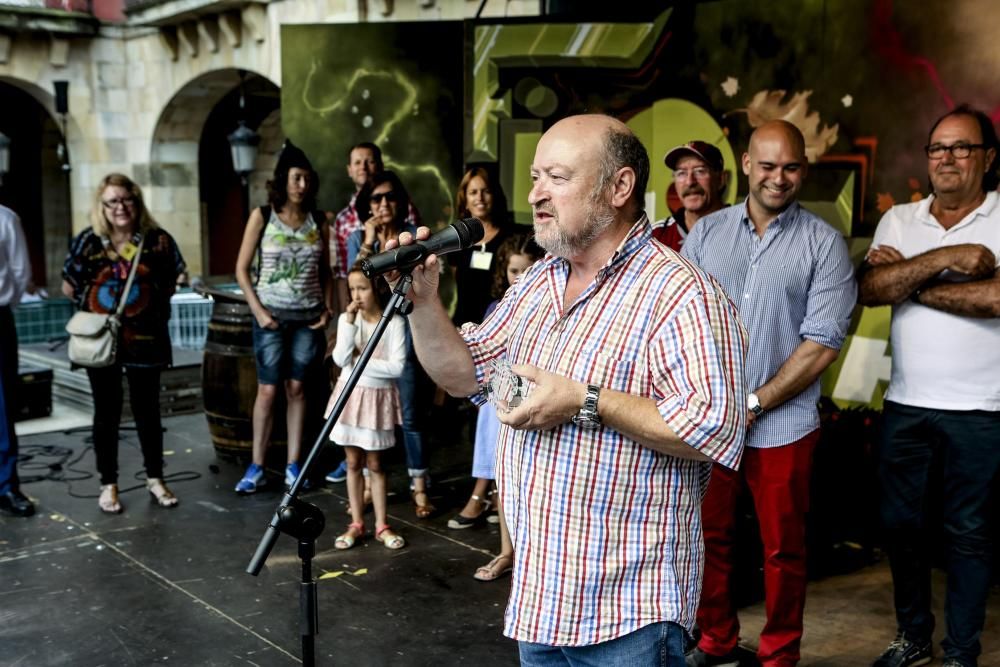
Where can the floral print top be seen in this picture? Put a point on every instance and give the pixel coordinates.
(289, 277)
(98, 275)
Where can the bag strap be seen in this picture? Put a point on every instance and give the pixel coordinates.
(265, 212)
(123, 297)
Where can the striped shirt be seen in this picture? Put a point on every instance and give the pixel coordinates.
(794, 284)
(289, 265)
(607, 533)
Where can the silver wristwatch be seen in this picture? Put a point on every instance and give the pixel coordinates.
(587, 418)
(753, 404)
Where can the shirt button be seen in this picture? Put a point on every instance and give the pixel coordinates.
(747, 295)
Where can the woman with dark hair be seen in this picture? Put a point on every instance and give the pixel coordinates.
(383, 203)
(479, 196)
(97, 267)
(290, 300)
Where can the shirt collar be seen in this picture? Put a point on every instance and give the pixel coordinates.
(984, 209)
(639, 234)
(786, 217)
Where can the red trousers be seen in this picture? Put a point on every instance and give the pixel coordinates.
(778, 479)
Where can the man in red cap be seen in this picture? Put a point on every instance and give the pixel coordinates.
(700, 180)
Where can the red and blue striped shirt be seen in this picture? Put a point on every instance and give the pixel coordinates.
(607, 532)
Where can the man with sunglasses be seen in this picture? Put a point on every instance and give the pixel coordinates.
(934, 261)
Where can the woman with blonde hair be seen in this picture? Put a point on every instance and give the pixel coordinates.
(95, 273)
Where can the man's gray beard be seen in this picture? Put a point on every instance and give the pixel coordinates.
(556, 240)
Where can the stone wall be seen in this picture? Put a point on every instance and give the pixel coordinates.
(140, 92)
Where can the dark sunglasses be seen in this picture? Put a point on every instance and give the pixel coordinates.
(378, 197)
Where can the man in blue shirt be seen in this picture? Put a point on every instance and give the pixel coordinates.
(791, 278)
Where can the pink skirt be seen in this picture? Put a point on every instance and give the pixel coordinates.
(369, 418)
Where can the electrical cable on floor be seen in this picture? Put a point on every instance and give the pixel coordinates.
(30, 459)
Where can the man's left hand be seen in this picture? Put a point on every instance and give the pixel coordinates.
(552, 400)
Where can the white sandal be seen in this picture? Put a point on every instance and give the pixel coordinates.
(163, 496)
(390, 539)
(108, 502)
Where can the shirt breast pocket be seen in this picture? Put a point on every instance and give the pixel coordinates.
(609, 372)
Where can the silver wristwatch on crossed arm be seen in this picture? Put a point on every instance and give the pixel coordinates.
(753, 405)
(587, 418)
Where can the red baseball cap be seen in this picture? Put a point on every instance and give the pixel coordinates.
(700, 149)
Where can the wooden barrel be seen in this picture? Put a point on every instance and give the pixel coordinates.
(229, 378)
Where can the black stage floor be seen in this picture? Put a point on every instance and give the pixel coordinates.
(155, 586)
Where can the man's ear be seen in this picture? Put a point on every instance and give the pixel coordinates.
(746, 164)
(723, 182)
(623, 187)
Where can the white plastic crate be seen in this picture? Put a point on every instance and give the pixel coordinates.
(189, 316)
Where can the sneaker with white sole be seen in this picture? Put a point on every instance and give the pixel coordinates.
(903, 652)
(292, 473)
(253, 479)
(338, 474)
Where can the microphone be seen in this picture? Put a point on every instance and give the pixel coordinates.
(456, 236)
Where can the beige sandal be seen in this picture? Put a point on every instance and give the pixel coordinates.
(355, 531)
(390, 539)
(108, 502)
(494, 569)
(163, 496)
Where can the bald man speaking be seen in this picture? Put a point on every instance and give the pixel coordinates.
(790, 276)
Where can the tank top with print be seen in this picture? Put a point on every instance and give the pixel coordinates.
(289, 277)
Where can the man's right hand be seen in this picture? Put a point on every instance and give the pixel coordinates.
(425, 277)
(972, 259)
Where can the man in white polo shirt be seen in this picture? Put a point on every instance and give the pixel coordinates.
(935, 262)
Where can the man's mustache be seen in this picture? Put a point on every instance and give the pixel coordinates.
(693, 190)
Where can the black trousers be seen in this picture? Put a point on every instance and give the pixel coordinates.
(144, 397)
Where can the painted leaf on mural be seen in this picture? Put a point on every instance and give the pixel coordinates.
(769, 105)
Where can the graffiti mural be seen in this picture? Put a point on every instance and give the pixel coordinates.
(862, 79)
(395, 84)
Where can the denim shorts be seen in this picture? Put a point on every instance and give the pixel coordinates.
(288, 352)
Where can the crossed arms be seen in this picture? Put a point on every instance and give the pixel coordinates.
(887, 278)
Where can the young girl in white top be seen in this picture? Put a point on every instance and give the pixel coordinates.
(367, 424)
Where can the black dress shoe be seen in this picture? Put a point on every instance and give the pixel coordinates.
(16, 504)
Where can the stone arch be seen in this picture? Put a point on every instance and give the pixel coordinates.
(190, 172)
(37, 187)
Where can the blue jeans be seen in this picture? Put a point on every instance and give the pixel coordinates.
(659, 645)
(288, 352)
(413, 439)
(968, 443)
(8, 395)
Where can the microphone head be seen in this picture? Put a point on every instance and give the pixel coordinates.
(470, 231)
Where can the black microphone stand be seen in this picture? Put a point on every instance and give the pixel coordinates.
(304, 521)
